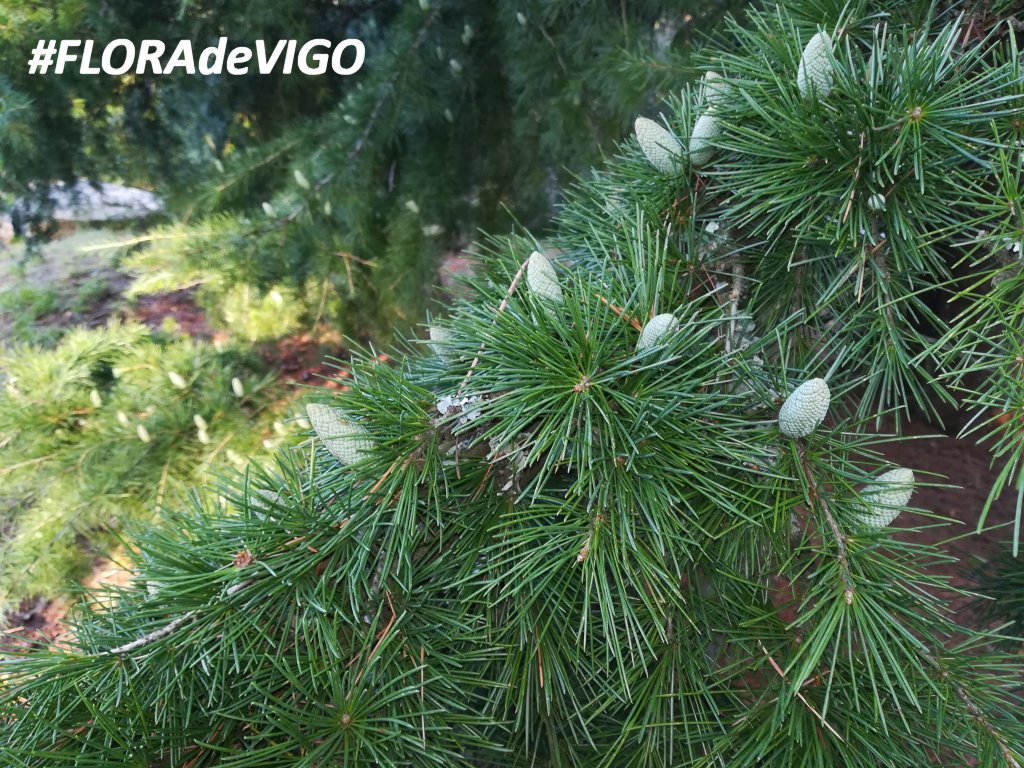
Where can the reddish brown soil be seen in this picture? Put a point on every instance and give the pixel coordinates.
(303, 359)
(180, 306)
(941, 460)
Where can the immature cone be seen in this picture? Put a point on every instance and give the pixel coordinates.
(657, 328)
(815, 72)
(439, 337)
(705, 130)
(805, 409)
(542, 280)
(659, 146)
(262, 499)
(714, 90)
(885, 498)
(347, 442)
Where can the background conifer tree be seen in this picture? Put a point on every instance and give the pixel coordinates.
(627, 507)
(362, 181)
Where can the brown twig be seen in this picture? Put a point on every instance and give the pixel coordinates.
(799, 695)
(971, 707)
(380, 640)
(156, 634)
(501, 308)
(621, 313)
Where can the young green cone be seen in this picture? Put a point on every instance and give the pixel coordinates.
(705, 130)
(542, 279)
(656, 331)
(659, 146)
(347, 442)
(714, 90)
(805, 408)
(814, 74)
(885, 498)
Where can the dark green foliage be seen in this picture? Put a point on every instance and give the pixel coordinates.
(462, 108)
(551, 547)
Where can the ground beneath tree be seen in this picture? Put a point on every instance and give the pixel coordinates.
(941, 461)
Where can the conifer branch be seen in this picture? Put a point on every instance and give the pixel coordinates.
(816, 497)
(153, 636)
(621, 313)
(799, 695)
(501, 308)
(972, 709)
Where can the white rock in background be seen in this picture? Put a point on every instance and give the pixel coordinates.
(85, 201)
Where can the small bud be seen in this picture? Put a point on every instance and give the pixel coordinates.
(661, 148)
(424, 5)
(656, 331)
(705, 130)
(268, 209)
(142, 432)
(455, 66)
(413, 207)
(885, 498)
(122, 419)
(95, 399)
(200, 422)
(301, 179)
(177, 380)
(542, 279)
(236, 387)
(805, 408)
(876, 202)
(347, 441)
(467, 34)
(203, 436)
(521, 18)
(814, 74)
(448, 115)
(327, 208)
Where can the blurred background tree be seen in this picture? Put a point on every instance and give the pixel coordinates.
(352, 184)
